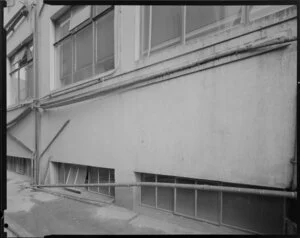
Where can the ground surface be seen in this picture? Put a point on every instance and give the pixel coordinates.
(40, 214)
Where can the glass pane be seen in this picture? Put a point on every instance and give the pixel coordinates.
(112, 180)
(165, 196)
(14, 87)
(67, 171)
(148, 193)
(146, 28)
(105, 38)
(29, 77)
(84, 47)
(61, 170)
(253, 212)
(166, 24)
(72, 175)
(208, 205)
(103, 178)
(79, 15)
(99, 9)
(66, 58)
(207, 19)
(256, 12)
(23, 84)
(93, 178)
(62, 26)
(185, 200)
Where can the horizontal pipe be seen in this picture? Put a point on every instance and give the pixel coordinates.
(205, 187)
(105, 90)
(18, 118)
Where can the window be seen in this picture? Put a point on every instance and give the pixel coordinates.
(166, 26)
(261, 214)
(84, 43)
(21, 74)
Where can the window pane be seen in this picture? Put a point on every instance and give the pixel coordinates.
(112, 180)
(146, 28)
(23, 84)
(66, 58)
(72, 175)
(166, 24)
(93, 178)
(207, 19)
(148, 193)
(253, 212)
(62, 26)
(256, 12)
(165, 196)
(99, 9)
(103, 178)
(29, 78)
(14, 87)
(185, 200)
(61, 175)
(79, 15)
(105, 43)
(84, 47)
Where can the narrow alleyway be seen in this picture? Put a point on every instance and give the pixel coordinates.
(41, 214)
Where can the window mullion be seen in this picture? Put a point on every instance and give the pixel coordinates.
(18, 91)
(94, 46)
(150, 30)
(73, 58)
(183, 21)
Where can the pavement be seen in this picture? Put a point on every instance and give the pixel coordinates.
(35, 213)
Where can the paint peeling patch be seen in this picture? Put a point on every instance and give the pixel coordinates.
(147, 222)
(113, 212)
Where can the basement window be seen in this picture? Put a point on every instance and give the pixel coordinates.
(19, 165)
(252, 213)
(79, 174)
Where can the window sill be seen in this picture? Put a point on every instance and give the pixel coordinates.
(211, 40)
(82, 84)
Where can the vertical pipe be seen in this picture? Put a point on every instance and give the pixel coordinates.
(2, 114)
(36, 93)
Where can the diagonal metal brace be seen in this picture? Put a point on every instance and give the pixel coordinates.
(54, 138)
(19, 142)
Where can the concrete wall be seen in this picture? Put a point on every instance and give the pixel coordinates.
(233, 123)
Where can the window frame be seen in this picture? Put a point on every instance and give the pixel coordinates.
(92, 21)
(244, 20)
(21, 65)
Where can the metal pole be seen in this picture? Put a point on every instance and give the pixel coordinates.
(263, 192)
(2, 115)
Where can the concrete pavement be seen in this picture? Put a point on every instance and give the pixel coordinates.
(40, 214)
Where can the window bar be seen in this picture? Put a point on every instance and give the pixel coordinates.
(68, 175)
(221, 208)
(98, 180)
(150, 30)
(155, 191)
(109, 182)
(94, 44)
(175, 197)
(284, 216)
(76, 176)
(196, 198)
(183, 28)
(18, 92)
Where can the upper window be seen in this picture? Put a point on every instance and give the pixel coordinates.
(84, 43)
(165, 26)
(21, 74)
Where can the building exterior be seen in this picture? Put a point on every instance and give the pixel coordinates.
(176, 94)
